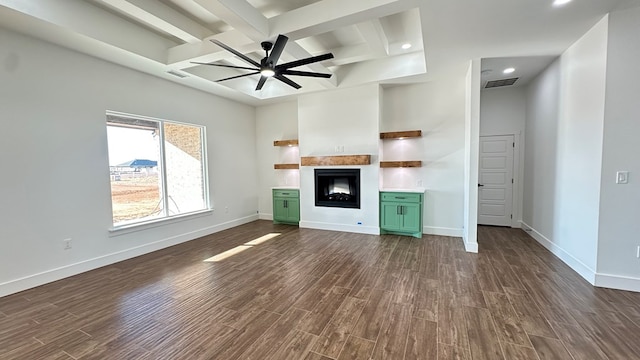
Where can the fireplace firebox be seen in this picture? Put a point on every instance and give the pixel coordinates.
(338, 188)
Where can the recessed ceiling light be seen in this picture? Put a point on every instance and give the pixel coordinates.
(508, 70)
(560, 2)
(406, 46)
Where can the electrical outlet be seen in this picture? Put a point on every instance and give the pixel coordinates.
(67, 244)
(419, 183)
(622, 177)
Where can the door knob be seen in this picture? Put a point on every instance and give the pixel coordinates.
(480, 185)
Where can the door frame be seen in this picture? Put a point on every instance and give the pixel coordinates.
(518, 175)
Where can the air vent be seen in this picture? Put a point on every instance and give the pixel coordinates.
(499, 83)
(177, 74)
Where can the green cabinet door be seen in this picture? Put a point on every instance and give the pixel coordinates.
(280, 209)
(390, 216)
(293, 210)
(410, 218)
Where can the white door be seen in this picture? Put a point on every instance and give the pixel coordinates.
(495, 180)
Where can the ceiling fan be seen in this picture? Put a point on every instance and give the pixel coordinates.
(267, 67)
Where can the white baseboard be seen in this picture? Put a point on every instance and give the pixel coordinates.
(618, 282)
(441, 231)
(359, 229)
(263, 216)
(471, 247)
(28, 282)
(578, 266)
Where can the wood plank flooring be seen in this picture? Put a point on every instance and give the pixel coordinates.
(322, 295)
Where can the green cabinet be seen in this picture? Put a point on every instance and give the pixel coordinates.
(401, 213)
(286, 206)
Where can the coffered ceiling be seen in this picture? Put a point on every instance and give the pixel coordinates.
(164, 37)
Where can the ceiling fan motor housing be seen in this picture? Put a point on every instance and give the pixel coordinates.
(265, 63)
(266, 45)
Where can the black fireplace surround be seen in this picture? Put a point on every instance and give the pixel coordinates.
(337, 188)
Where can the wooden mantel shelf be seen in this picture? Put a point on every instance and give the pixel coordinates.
(401, 134)
(400, 164)
(293, 142)
(336, 160)
(286, 166)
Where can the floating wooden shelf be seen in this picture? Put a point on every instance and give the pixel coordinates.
(401, 134)
(336, 160)
(293, 142)
(286, 166)
(400, 164)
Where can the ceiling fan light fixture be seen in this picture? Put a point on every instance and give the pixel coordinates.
(406, 46)
(508, 70)
(267, 72)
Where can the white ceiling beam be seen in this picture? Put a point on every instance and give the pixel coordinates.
(180, 56)
(88, 20)
(162, 18)
(350, 54)
(382, 69)
(374, 35)
(323, 16)
(240, 15)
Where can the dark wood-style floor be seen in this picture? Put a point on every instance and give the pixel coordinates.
(319, 295)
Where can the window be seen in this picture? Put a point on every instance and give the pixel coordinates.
(157, 168)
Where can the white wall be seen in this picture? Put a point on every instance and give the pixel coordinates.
(348, 118)
(541, 151)
(438, 109)
(503, 112)
(620, 204)
(275, 122)
(564, 131)
(55, 171)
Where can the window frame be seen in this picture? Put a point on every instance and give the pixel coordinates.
(134, 225)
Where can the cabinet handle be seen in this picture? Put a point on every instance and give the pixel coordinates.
(401, 210)
(400, 197)
(286, 203)
(397, 209)
(285, 193)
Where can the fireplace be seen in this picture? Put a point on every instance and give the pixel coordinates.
(338, 188)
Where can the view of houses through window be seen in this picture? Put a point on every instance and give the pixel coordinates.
(157, 168)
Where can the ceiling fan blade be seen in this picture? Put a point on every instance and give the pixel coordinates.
(261, 82)
(223, 65)
(287, 81)
(306, 61)
(305, 73)
(239, 76)
(281, 41)
(236, 53)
